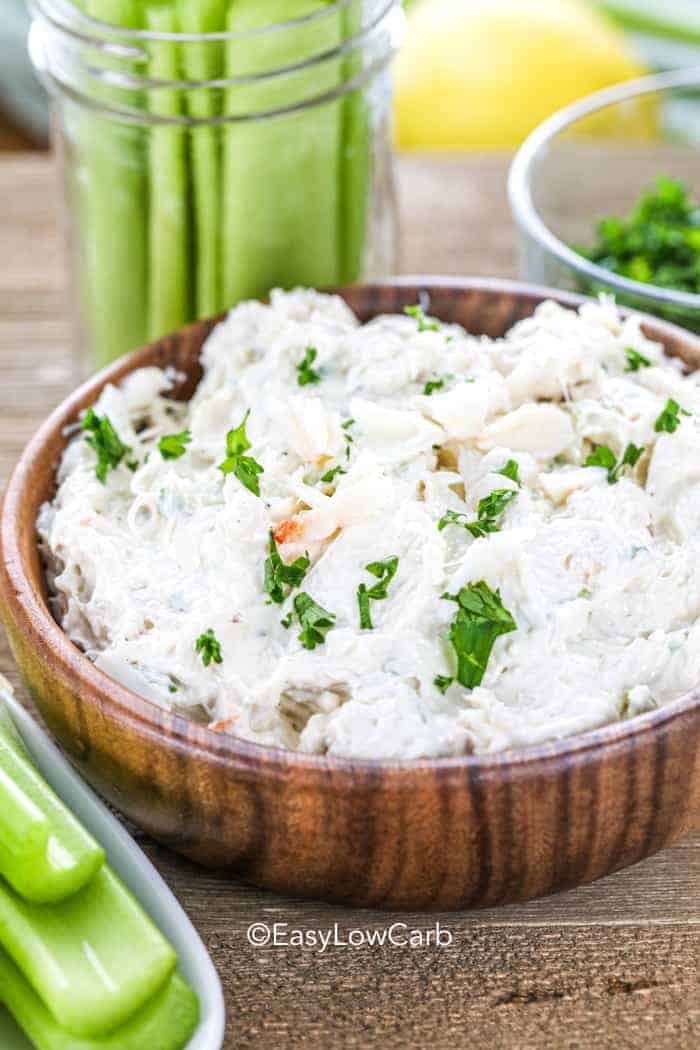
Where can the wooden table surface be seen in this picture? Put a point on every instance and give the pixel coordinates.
(612, 965)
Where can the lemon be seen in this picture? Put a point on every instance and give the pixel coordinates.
(484, 73)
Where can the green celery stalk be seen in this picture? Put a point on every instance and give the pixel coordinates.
(201, 62)
(168, 222)
(281, 183)
(94, 958)
(114, 192)
(355, 159)
(24, 830)
(45, 853)
(166, 1022)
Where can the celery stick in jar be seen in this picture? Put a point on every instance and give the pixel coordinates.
(168, 233)
(203, 62)
(113, 209)
(281, 183)
(354, 156)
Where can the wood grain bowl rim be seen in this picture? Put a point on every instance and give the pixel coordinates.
(25, 607)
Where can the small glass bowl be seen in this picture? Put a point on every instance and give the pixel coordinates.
(593, 159)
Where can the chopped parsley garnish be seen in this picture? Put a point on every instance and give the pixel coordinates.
(331, 475)
(585, 593)
(604, 457)
(363, 604)
(172, 688)
(106, 443)
(245, 468)
(670, 419)
(489, 510)
(481, 618)
(279, 576)
(348, 436)
(434, 384)
(172, 446)
(635, 361)
(305, 373)
(425, 324)
(511, 471)
(453, 517)
(443, 682)
(659, 243)
(631, 456)
(385, 572)
(314, 620)
(209, 648)
(492, 506)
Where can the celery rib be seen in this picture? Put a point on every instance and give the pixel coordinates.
(113, 205)
(94, 958)
(355, 159)
(45, 853)
(204, 62)
(167, 1022)
(168, 219)
(281, 175)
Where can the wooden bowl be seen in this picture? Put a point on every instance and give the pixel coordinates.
(432, 834)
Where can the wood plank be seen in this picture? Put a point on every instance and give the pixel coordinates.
(613, 964)
(509, 988)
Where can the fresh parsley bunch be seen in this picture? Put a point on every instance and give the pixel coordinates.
(658, 243)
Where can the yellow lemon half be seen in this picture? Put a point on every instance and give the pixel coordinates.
(484, 73)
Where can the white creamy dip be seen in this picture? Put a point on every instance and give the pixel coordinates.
(602, 580)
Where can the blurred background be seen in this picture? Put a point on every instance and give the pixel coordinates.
(458, 56)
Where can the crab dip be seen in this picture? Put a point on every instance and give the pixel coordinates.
(391, 540)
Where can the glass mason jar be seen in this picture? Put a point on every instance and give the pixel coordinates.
(209, 156)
